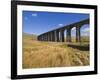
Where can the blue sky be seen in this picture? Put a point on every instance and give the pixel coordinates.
(39, 22)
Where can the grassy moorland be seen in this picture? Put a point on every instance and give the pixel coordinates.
(38, 54)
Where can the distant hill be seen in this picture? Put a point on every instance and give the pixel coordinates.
(83, 39)
(29, 36)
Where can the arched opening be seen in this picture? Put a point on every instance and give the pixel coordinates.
(85, 33)
(59, 36)
(65, 35)
(73, 34)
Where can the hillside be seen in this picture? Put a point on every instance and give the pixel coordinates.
(29, 36)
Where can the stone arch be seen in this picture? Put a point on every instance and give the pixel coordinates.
(65, 35)
(85, 32)
(73, 34)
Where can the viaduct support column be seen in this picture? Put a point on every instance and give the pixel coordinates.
(53, 36)
(47, 37)
(40, 38)
(50, 36)
(57, 35)
(62, 35)
(78, 37)
(43, 37)
(68, 35)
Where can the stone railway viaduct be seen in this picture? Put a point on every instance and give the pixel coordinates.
(57, 35)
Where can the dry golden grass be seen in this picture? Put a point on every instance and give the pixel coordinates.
(37, 54)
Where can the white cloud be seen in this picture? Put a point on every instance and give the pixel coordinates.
(34, 14)
(60, 24)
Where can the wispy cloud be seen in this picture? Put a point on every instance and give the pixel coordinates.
(60, 24)
(34, 14)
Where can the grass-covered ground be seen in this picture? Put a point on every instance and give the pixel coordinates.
(39, 54)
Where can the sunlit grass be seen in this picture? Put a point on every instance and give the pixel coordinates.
(41, 54)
